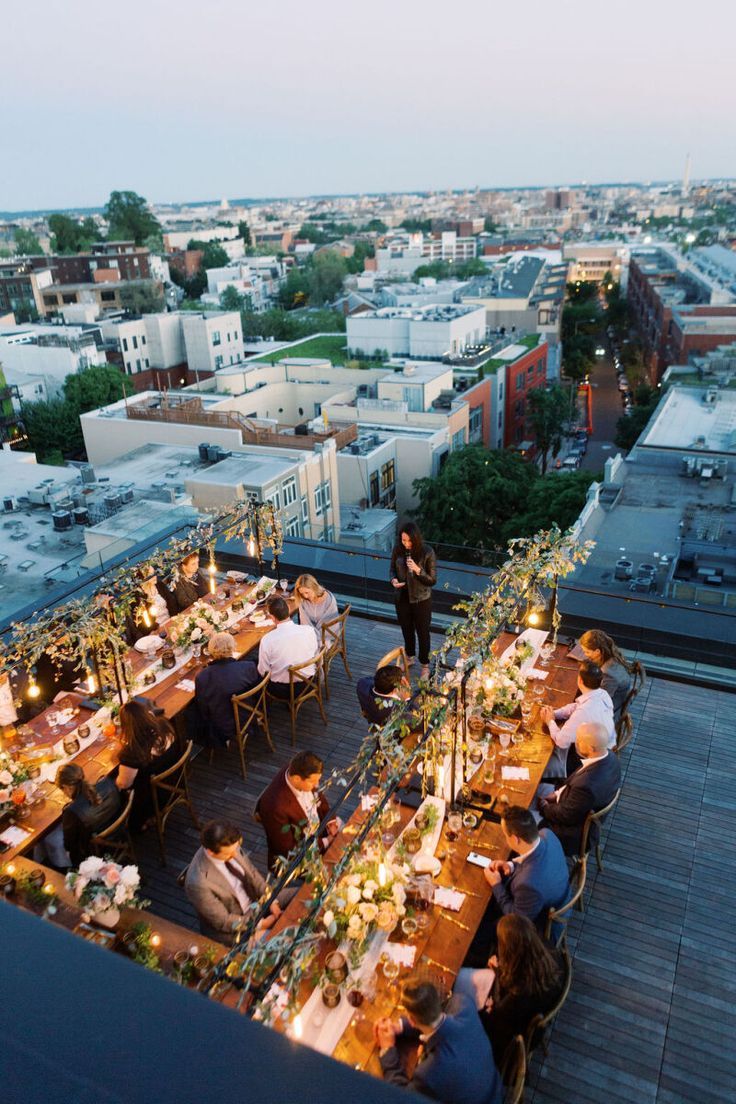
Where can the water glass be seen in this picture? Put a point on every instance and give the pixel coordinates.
(504, 739)
(454, 825)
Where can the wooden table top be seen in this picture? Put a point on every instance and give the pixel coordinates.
(442, 949)
(101, 757)
(173, 937)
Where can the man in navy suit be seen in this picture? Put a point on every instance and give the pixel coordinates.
(530, 884)
(379, 694)
(455, 1058)
(214, 687)
(591, 787)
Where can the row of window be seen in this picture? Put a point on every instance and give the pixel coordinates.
(541, 368)
(217, 337)
(382, 484)
(134, 340)
(139, 365)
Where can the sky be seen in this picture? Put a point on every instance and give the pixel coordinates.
(195, 100)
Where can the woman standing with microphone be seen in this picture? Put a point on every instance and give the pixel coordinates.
(413, 574)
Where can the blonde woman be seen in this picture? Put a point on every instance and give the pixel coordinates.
(316, 605)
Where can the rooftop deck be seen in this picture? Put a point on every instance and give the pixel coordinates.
(652, 1005)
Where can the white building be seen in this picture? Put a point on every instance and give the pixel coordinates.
(50, 352)
(212, 339)
(429, 332)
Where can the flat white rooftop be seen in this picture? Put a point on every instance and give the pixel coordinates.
(686, 420)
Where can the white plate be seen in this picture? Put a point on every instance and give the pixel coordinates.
(148, 644)
(236, 576)
(428, 864)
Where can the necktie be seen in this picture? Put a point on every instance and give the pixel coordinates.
(238, 873)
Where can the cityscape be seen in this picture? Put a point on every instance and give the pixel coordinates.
(468, 451)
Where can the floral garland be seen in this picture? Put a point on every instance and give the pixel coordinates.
(13, 779)
(370, 896)
(197, 626)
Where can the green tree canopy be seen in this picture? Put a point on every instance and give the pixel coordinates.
(142, 297)
(417, 225)
(582, 291)
(489, 226)
(213, 254)
(71, 236)
(244, 232)
(54, 428)
(325, 277)
(231, 299)
(549, 412)
(26, 243)
(558, 498)
(129, 218)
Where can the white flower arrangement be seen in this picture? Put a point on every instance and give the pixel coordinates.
(14, 780)
(100, 884)
(371, 896)
(503, 684)
(198, 625)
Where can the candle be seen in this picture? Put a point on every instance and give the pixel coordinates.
(33, 689)
(382, 874)
(440, 787)
(48, 889)
(146, 618)
(194, 950)
(10, 868)
(155, 939)
(213, 585)
(91, 682)
(331, 996)
(251, 546)
(297, 1028)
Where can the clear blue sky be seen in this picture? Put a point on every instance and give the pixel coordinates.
(218, 98)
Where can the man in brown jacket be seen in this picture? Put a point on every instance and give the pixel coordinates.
(291, 806)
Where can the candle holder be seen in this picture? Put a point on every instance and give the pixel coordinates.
(129, 942)
(36, 878)
(149, 678)
(202, 965)
(71, 745)
(412, 840)
(181, 958)
(34, 771)
(7, 885)
(331, 995)
(168, 659)
(83, 731)
(237, 605)
(336, 967)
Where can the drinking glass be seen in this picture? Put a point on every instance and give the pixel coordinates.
(527, 708)
(391, 971)
(538, 691)
(504, 739)
(409, 927)
(545, 654)
(355, 997)
(454, 825)
(490, 774)
(284, 584)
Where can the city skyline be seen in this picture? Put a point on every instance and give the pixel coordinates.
(300, 103)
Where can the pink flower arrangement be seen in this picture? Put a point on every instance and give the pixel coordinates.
(100, 884)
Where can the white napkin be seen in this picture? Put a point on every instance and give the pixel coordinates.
(13, 835)
(368, 802)
(448, 898)
(535, 673)
(402, 953)
(514, 774)
(185, 684)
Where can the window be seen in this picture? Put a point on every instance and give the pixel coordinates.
(275, 499)
(218, 362)
(475, 424)
(288, 490)
(519, 408)
(216, 339)
(530, 370)
(147, 363)
(137, 365)
(71, 298)
(108, 296)
(125, 344)
(541, 366)
(388, 475)
(500, 392)
(293, 527)
(322, 498)
(375, 494)
(135, 342)
(305, 510)
(228, 336)
(520, 380)
(458, 439)
(143, 339)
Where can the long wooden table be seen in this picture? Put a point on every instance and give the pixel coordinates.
(101, 757)
(442, 949)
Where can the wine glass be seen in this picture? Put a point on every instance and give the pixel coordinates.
(504, 739)
(454, 825)
(355, 997)
(284, 584)
(527, 708)
(538, 692)
(391, 971)
(545, 654)
(491, 756)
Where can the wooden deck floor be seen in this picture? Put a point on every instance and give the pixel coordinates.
(652, 1011)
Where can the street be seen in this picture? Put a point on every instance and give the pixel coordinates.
(607, 409)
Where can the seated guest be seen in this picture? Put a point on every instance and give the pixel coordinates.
(149, 747)
(148, 608)
(215, 685)
(379, 694)
(221, 882)
(291, 806)
(529, 980)
(530, 884)
(90, 809)
(316, 605)
(455, 1062)
(286, 646)
(190, 584)
(600, 649)
(591, 787)
(592, 706)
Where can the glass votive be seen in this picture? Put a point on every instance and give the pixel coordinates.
(412, 840)
(83, 731)
(237, 605)
(336, 966)
(470, 821)
(201, 964)
(7, 884)
(476, 756)
(331, 995)
(129, 942)
(34, 771)
(168, 659)
(149, 678)
(36, 878)
(71, 745)
(421, 821)
(180, 959)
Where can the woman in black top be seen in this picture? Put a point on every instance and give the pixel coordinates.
(529, 979)
(413, 574)
(91, 809)
(190, 584)
(149, 747)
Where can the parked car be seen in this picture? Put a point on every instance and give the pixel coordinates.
(622, 384)
(571, 463)
(600, 351)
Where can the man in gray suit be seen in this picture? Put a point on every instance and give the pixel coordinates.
(221, 882)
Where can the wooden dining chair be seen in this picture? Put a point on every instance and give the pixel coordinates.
(334, 644)
(625, 724)
(169, 789)
(115, 841)
(562, 914)
(397, 657)
(537, 1032)
(513, 1071)
(596, 818)
(250, 709)
(303, 687)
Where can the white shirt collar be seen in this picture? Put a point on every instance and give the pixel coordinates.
(306, 798)
(520, 858)
(592, 759)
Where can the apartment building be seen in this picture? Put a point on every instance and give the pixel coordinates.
(50, 353)
(430, 332)
(592, 260)
(21, 287)
(212, 339)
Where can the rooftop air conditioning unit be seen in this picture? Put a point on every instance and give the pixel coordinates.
(9, 504)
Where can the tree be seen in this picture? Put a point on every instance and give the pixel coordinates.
(325, 277)
(417, 225)
(129, 218)
(142, 297)
(231, 299)
(549, 411)
(489, 226)
(472, 500)
(94, 387)
(213, 254)
(52, 428)
(630, 426)
(558, 498)
(294, 292)
(192, 286)
(71, 236)
(27, 244)
(244, 232)
(470, 268)
(582, 291)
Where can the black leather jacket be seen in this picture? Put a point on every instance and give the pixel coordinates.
(418, 587)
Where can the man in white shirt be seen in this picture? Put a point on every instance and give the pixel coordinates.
(287, 645)
(593, 706)
(222, 882)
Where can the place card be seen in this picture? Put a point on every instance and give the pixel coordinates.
(535, 673)
(14, 836)
(448, 898)
(402, 953)
(515, 774)
(187, 685)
